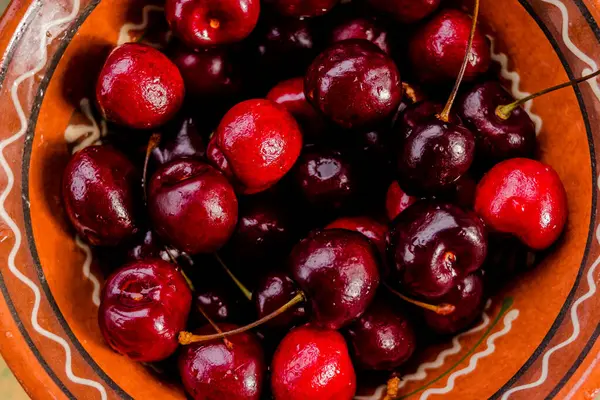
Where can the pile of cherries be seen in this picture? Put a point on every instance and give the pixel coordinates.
(357, 216)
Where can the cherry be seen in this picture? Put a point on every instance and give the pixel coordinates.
(100, 190)
(354, 84)
(406, 11)
(468, 300)
(417, 114)
(302, 8)
(139, 87)
(180, 139)
(148, 245)
(215, 303)
(207, 23)
(397, 200)
(192, 206)
(312, 363)
(273, 292)
(373, 230)
(383, 338)
(229, 370)
(255, 145)
(523, 197)
(437, 49)
(452, 243)
(290, 94)
(362, 28)
(143, 306)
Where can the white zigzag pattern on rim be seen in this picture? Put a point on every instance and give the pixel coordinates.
(124, 36)
(9, 185)
(592, 66)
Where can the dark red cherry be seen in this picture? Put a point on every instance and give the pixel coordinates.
(468, 299)
(327, 179)
(139, 87)
(338, 270)
(362, 28)
(497, 138)
(523, 197)
(100, 190)
(290, 94)
(302, 8)
(406, 11)
(375, 231)
(207, 23)
(434, 156)
(209, 74)
(312, 363)
(228, 370)
(452, 243)
(438, 48)
(417, 114)
(274, 291)
(354, 84)
(180, 139)
(397, 200)
(215, 303)
(256, 144)
(143, 307)
(383, 338)
(147, 245)
(192, 206)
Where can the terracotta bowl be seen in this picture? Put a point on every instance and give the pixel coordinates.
(536, 340)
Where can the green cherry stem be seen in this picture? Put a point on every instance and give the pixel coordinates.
(238, 283)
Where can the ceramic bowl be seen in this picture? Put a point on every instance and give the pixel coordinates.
(537, 338)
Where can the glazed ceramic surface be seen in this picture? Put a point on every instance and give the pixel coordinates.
(537, 339)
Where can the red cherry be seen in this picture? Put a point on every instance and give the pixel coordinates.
(438, 48)
(206, 23)
(523, 197)
(363, 28)
(256, 144)
(303, 8)
(374, 231)
(192, 206)
(406, 11)
(274, 291)
(143, 307)
(139, 87)
(397, 200)
(312, 363)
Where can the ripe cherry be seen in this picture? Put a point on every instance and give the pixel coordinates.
(312, 363)
(523, 197)
(363, 28)
(255, 145)
(216, 303)
(273, 292)
(147, 245)
(139, 87)
(373, 230)
(302, 8)
(397, 200)
(143, 307)
(181, 138)
(406, 11)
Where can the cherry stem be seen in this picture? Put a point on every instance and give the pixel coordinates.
(441, 309)
(238, 283)
(153, 143)
(186, 338)
(180, 268)
(504, 112)
(445, 114)
(215, 327)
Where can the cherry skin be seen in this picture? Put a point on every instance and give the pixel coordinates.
(362, 28)
(396, 200)
(255, 145)
(373, 230)
(274, 291)
(139, 87)
(229, 370)
(468, 299)
(406, 11)
(354, 84)
(312, 363)
(99, 190)
(215, 303)
(452, 243)
(207, 23)
(192, 206)
(383, 338)
(417, 114)
(302, 8)
(338, 271)
(180, 139)
(437, 49)
(523, 197)
(143, 307)
(497, 139)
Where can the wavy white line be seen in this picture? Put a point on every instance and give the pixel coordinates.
(9, 185)
(87, 269)
(124, 36)
(85, 135)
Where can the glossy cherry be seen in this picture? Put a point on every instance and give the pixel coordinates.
(452, 243)
(375, 231)
(397, 200)
(363, 28)
(417, 114)
(437, 49)
(523, 197)
(255, 145)
(207, 23)
(406, 11)
(143, 307)
(302, 8)
(354, 84)
(383, 338)
(312, 363)
(468, 299)
(216, 303)
(139, 87)
(100, 191)
(180, 139)
(192, 206)
(229, 370)
(273, 292)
